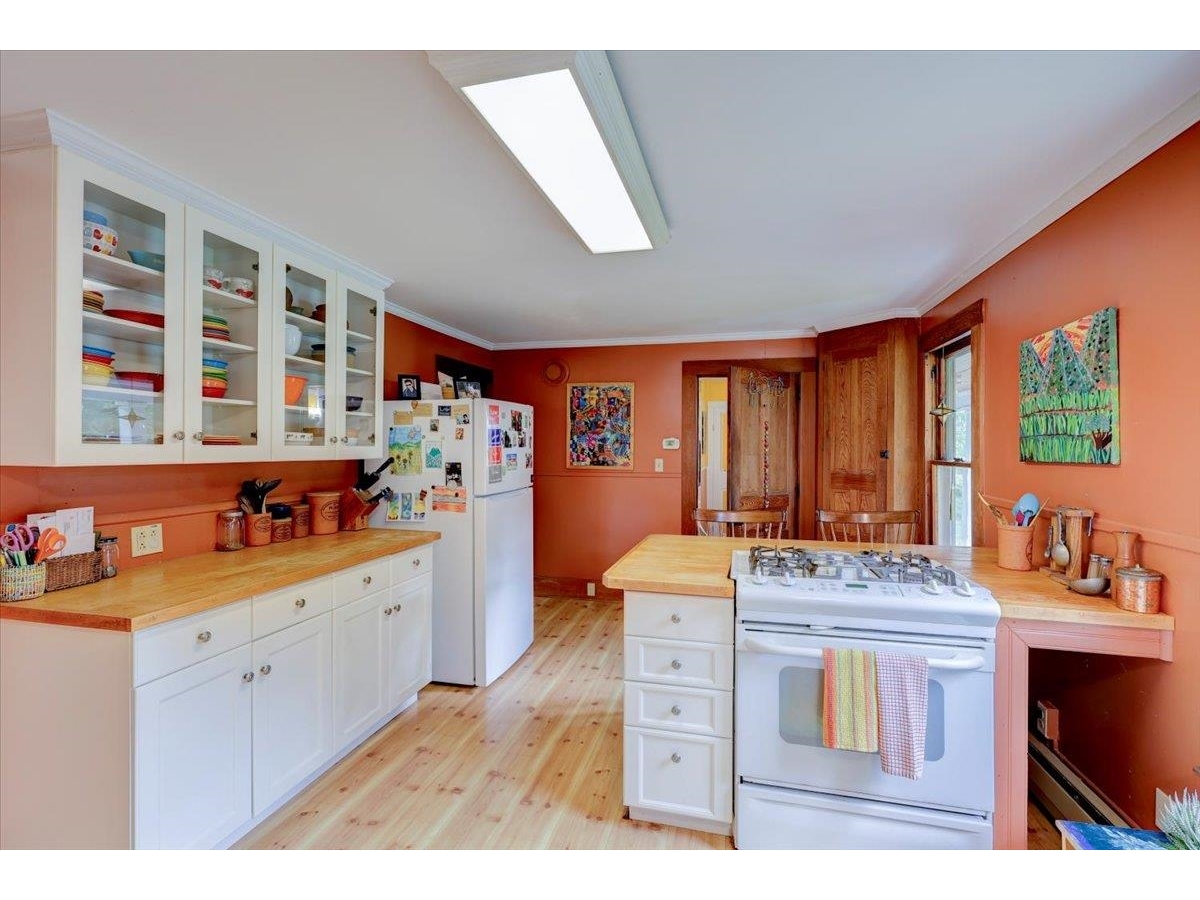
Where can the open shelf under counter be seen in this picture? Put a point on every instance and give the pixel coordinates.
(112, 271)
(215, 299)
(105, 391)
(306, 324)
(227, 401)
(122, 329)
(231, 347)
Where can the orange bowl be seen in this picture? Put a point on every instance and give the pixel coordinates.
(293, 387)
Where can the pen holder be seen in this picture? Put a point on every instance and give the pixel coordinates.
(22, 582)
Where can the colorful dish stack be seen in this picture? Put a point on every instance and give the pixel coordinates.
(214, 381)
(139, 381)
(216, 327)
(97, 365)
(93, 301)
(97, 236)
(221, 440)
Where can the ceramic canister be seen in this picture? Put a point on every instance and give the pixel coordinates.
(1138, 590)
(258, 529)
(300, 520)
(324, 508)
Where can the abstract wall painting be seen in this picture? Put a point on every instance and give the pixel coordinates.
(1070, 411)
(600, 425)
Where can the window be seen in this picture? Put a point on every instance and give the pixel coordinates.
(951, 468)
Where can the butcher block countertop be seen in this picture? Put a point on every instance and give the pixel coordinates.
(688, 564)
(150, 595)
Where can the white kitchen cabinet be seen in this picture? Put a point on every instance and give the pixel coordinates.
(293, 707)
(360, 432)
(410, 638)
(359, 666)
(192, 753)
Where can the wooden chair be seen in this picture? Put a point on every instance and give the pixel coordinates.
(890, 527)
(756, 523)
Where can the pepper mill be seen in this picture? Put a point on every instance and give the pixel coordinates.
(1125, 556)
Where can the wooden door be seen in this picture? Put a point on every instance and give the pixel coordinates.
(854, 428)
(762, 440)
(359, 678)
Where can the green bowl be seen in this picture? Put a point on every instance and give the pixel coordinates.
(149, 260)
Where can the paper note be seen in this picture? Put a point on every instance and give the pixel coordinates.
(495, 437)
(458, 433)
(402, 418)
(454, 474)
(493, 414)
(404, 447)
(418, 512)
(510, 461)
(449, 499)
(444, 410)
(433, 454)
(494, 456)
(423, 410)
(76, 525)
(393, 509)
(495, 474)
(406, 505)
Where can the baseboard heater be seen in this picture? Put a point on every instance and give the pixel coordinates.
(1063, 792)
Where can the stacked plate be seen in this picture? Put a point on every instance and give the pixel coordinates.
(214, 380)
(93, 301)
(97, 365)
(216, 327)
(221, 440)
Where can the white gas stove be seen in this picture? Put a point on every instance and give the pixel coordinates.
(792, 792)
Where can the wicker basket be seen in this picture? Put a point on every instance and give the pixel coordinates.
(72, 571)
(22, 582)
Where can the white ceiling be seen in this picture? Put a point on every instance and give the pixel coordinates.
(801, 189)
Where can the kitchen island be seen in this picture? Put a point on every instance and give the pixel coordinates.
(1036, 613)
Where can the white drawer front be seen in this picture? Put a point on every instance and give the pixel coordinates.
(279, 609)
(675, 708)
(361, 581)
(679, 617)
(168, 648)
(687, 663)
(412, 564)
(683, 774)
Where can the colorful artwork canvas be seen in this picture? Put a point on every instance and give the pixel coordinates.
(1070, 410)
(600, 425)
(404, 447)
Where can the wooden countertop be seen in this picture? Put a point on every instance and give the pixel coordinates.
(687, 564)
(150, 595)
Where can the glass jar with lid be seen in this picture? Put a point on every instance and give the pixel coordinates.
(231, 530)
(110, 556)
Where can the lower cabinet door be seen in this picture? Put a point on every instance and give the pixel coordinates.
(360, 647)
(293, 707)
(684, 774)
(192, 751)
(410, 641)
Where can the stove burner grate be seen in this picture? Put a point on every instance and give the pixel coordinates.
(841, 565)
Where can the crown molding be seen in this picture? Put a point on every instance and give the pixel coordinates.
(866, 318)
(1166, 129)
(45, 127)
(434, 325)
(660, 339)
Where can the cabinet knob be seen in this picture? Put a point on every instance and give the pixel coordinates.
(204, 637)
(345, 440)
(178, 435)
(416, 563)
(332, 439)
(388, 611)
(248, 677)
(198, 436)
(301, 603)
(266, 670)
(675, 710)
(397, 607)
(366, 579)
(676, 664)
(676, 758)
(675, 618)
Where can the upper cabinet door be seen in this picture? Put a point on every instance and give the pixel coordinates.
(119, 347)
(358, 421)
(304, 390)
(227, 377)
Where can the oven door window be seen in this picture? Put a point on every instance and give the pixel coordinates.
(801, 693)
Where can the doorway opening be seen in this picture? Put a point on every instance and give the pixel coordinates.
(712, 484)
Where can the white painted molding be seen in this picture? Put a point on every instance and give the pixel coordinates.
(661, 339)
(1171, 126)
(45, 126)
(866, 318)
(434, 325)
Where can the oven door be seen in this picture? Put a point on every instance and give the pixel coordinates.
(778, 700)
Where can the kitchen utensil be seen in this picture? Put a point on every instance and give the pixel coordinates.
(367, 480)
(246, 504)
(1090, 586)
(156, 320)
(1138, 590)
(149, 260)
(291, 339)
(1037, 512)
(293, 388)
(993, 509)
(17, 541)
(1026, 506)
(1059, 554)
(353, 404)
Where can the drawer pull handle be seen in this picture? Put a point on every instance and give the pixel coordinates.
(676, 758)
(248, 677)
(204, 637)
(396, 608)
(676, 664)
(389, 611)
(301, 603)
(266, 670)
(416, 564)
(366, 579)
(675, 710)
(675, 618)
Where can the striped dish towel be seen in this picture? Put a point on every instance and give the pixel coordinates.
(903, 684)
(850, 714)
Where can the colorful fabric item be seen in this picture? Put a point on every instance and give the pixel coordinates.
(903, 685)
(851, 715)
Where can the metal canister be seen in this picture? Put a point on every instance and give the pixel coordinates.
(1138, 590)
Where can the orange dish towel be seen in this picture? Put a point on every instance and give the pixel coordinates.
(903, 711)
(851, 714)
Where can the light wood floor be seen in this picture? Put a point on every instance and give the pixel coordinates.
(1042, 835)
(533, 761)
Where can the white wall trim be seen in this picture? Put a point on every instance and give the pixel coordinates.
(1175, 123)
(866, 318)
(45, 126)
(661, 339)
(434, 325)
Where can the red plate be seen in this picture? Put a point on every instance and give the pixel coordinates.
(158, 320)
(146, 381)
(214, 392)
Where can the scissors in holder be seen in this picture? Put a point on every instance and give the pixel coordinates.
(17, 541)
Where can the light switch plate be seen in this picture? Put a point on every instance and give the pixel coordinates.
(146, 539)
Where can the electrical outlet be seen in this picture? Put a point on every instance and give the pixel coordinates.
(1160, 800)
(147, 539)
(658, 464)
(591, 589)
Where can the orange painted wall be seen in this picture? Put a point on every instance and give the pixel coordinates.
(584, 520)
(410, 348)
(1130, 725)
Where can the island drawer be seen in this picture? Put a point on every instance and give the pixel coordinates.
(675, 708)
(681, 774)
(679, 617)
(175, 645)
(688, 663)
(287, 606)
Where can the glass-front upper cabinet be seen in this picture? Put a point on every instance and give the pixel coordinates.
(358, 421)
(227, 380)
(304, 338)
(119, 400)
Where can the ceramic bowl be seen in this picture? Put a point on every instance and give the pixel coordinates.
(143, 381)
(90, 215)
(353, 404)
(145, 258)
(99, 238)
(213, 277)
(319, 313)
(291, 339)
(293, 388)
(215, 393)
(1089, 586)
(243, 287)
(215, 363)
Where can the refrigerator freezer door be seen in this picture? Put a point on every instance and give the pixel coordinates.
(503, 582)
(503, 446)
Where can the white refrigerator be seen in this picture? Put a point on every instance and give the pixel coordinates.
(465, 468)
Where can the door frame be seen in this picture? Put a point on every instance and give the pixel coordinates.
(803, 523)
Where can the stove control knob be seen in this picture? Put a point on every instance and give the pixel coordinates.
(964, 589)
(931, 587)
(788, 578)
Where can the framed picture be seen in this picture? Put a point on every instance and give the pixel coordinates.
(410, 387)
(600, 425)
(464, 389)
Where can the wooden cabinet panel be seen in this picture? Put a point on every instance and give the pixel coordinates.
(762, 440)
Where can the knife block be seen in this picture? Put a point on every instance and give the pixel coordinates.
(355, 513)
(1077, 534)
